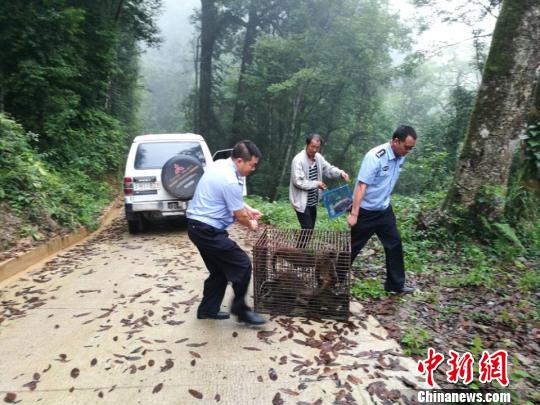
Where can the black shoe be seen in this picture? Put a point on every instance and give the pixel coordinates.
(402, 290)
(220, 315)
(251, 318)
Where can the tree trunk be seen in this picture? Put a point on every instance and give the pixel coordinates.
(531, 176)
(290, 141)
(209, 25)
(196, 92)
(353, 137)
(499, 114)
(118, 11)
(247, 58)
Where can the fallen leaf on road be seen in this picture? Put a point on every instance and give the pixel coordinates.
(252, 348)
(289, 392)
(408, 383)
(354, 380)
(137, 295)
(196, 344)
(191, 301)
(277, 399)
(157, 388)
(80, 315)
(174, 323)
(272, 374)
(62, 358)
(376, 336)
(195, 354)
(196, 394)
(75, 373)
(264, 334)
(168, 365)
(31, 385)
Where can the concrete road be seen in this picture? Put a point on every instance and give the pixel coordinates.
(112, 320)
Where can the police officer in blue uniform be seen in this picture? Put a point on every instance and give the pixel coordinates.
(371, 212)
(217, 203)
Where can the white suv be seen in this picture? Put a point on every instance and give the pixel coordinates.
(161, 174)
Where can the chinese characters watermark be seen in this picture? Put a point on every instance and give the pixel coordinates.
(490, 367)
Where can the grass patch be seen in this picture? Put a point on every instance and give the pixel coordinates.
(369, 288)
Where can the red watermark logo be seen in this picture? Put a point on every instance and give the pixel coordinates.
(490, 367)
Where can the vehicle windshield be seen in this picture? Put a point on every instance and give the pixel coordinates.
(154, 155)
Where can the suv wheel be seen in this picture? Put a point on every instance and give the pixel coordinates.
(135, 225)
(180, 175)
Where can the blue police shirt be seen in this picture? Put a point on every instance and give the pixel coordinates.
(218, 194)
(379, 170)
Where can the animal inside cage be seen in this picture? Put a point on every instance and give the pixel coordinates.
(302, 273)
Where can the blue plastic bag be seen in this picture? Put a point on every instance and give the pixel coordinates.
(337, 201)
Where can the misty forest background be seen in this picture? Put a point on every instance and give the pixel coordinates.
(79, 79)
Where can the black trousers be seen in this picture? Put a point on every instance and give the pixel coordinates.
(383, 224)
(226, 262)
(307, 223)
(308, 217)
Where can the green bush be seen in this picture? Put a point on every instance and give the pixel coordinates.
(415, 341)
(281, 214)
(34, 188)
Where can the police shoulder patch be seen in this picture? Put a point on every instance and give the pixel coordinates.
(380, 153)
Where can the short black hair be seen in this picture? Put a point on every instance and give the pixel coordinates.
(245, 150)
(403, 131)
(311, 137)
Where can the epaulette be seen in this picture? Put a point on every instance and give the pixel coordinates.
(380, 153)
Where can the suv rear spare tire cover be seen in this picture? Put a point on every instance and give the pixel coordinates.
(180, 175)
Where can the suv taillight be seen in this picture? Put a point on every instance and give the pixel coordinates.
(128, 186)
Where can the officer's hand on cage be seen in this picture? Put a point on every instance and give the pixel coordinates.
(252, 212)
(256, 214)
(322, 186)
(253, 225)
(344, 176)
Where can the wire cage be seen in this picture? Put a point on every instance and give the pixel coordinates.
(302, 273)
